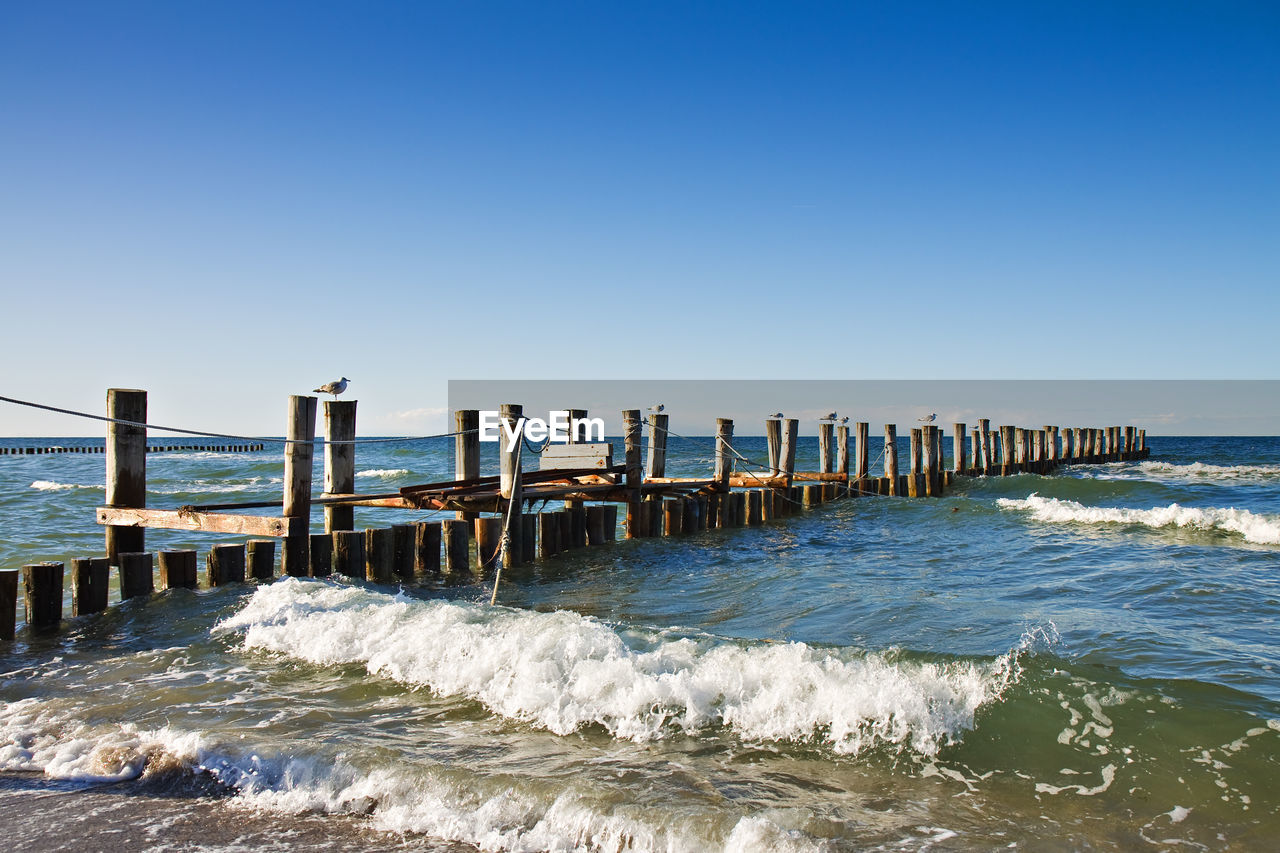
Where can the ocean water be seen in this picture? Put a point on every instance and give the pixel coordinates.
(1082, 660)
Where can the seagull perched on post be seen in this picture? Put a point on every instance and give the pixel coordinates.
(334, 388)
(776, 416)
(930, 419)
(830, 417)
(845, 419)
(657, 408)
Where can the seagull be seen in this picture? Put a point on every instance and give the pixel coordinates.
(930, 419)
(334, 388)
(830, 417)
(657, 408)
(776, 416)
(845, 419)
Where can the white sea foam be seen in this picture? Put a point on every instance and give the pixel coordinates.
(52, 486)
(562, 671)
(383, 473)
(1254, 527)
(1194, 472)
(36, 738)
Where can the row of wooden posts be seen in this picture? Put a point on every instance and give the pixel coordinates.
(167, 448)
(488, 510)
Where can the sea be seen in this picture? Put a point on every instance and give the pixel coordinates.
(1085, 660)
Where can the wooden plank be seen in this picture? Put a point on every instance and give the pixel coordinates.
(170, 519)
(597, 456)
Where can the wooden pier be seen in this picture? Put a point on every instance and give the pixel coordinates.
(492, 521)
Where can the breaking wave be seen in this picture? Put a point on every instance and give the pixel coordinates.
(1253, 527)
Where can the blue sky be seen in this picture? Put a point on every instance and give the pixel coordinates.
(225, 203)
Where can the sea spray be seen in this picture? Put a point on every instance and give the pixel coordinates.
(562, 671)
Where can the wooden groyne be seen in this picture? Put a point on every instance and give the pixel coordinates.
(153, 448)
(493, 524)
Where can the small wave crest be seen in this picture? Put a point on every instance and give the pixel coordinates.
(383, 473)
(1256, 528)
(52, 486)
(562, 671)
(1194, 472)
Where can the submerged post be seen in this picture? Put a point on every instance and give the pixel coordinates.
(298, 456)
(42, 593)
(339, 461)
(126, 467)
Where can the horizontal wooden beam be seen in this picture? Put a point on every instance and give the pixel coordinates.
(210, 522)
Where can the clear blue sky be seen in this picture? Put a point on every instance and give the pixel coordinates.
(225, 203)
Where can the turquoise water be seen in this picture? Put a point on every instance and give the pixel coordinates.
(1082, 659)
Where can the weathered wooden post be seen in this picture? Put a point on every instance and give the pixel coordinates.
(299, 453)
(90, 580)
(339, 461)
(787, 453)
(1008, 465)
(348, 552)
(8, 604)
(456, 544)
(466, 454)
(548, 535)
(826, 432)
(724, 467)
(136, 575)
(262, 559)
(488, 541)
(177, 571)
(379, 545)
(126, 467)
(959, 450)
(595, 525)
(512, 488)
(842, 456)
(1142, 442)
(402, 555)
(656, 464)
(631, 437)
(913, 481)
(863, 436)
(773, 438)
(224, 565)
(891, 457)
(42, 593)
(426, 549)
(320, 555)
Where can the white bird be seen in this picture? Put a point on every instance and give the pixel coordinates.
(845, 419)
(776, 416)
(657, 408)
(830, 417)
(930, 419)
(334, 388)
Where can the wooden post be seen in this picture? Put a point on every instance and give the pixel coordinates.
(177, 571)
(339, 461)
(1008, 464)
(512, 489)
(826, 432)
(348, 552)
(891, 457)
(959, 449)
(842, 453)
(126, 467)
(42, 593)
(863, 430)
(913, 483)
(790, 439)
(488, 541)
(689, 514)
(8, 604)
(90, 580)
(631, 435)
(136, 575)
(224, 564)
(320, 555)
(548, 534)
(262, 559)
(773, 438)
(379, 547)
(528, 537)
(565, 520)
(1142, 442)
(466, 453)
(1037, 450)
(755, 506)
(298, 456)
(402, 550)
(426, 549)
(595, 521)
(1077, 443)
(657, 462)
(672, 517)
(456, 543)
(724, 461)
